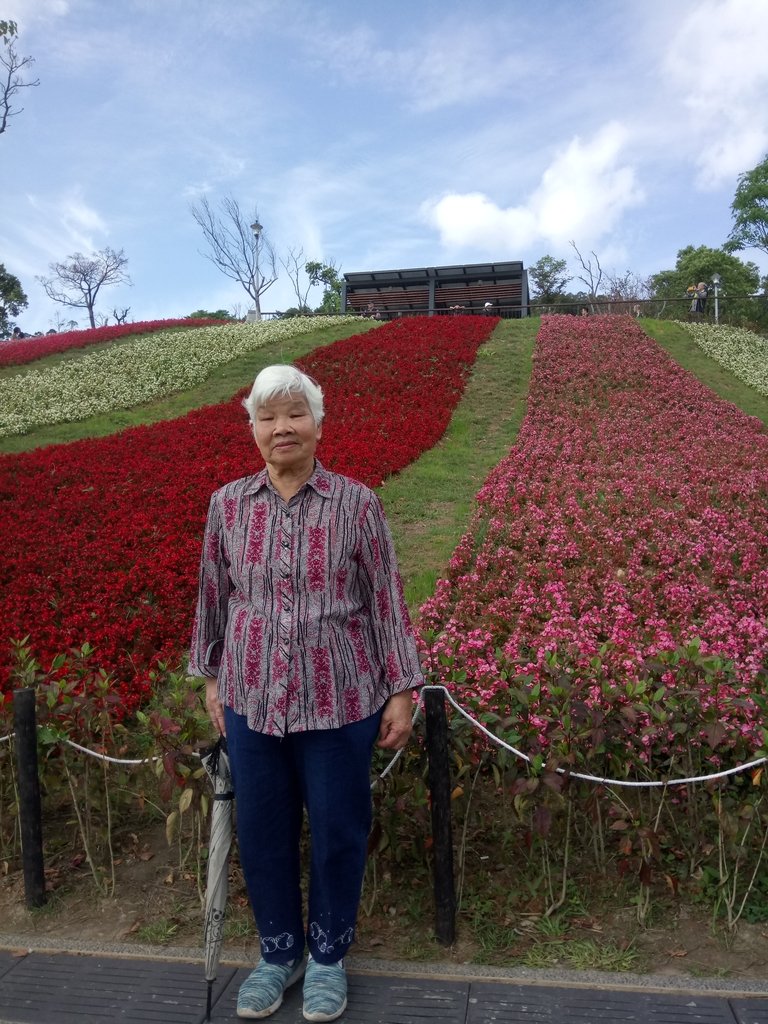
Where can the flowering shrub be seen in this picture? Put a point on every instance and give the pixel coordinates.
(742, 352)
(612, 590)
(124, 376)
(27, 350)
(102, 536)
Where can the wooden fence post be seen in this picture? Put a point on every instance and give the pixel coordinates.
(439, 776)
(30, 809)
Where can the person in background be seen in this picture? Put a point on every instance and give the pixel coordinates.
(701, 298)
(303, 635)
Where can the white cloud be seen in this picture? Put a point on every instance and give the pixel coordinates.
(55, 227)
(77, 217)
(716, 61)
(27, 12)
(582, 194)
(221, 168)
(18, 10)
(457, 63)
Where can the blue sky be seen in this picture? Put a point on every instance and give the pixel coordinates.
(380, 135)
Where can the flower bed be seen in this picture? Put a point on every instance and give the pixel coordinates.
(102, 536)
(612, 590)
(742, 352)
(125, 376)
(27, 350)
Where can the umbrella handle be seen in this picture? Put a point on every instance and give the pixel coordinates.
(208, 1002)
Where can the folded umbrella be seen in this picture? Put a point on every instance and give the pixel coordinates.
(216, 763)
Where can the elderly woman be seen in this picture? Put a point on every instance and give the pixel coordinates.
(304, 639)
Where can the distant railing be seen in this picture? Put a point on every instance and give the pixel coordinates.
(730, 308)
(507, 312)
(727, 308)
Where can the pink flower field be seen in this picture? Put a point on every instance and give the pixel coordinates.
(616, 569)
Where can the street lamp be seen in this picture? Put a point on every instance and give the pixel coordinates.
(716, 283)
(257, 229)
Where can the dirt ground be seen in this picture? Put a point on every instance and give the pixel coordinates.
(157, 902)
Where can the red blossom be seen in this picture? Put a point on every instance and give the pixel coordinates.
(102, 537)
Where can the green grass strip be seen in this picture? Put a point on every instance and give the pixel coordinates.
(677, 341)
(429, 504)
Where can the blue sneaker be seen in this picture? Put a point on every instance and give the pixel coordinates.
(325, 991)
(262, 991)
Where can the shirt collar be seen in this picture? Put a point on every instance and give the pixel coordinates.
(320, 481)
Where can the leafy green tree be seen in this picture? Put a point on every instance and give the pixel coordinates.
(12, 298)
(294, 311)
(572, 302)
(326, 274)
(206, 314)
(738, 279)
(548, 277)
(750, 210)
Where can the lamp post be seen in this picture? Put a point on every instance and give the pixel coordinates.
(257, 229)
(716, 283)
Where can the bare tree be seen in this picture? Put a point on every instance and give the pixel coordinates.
(295, 264)
(12, 70)
(58, 323)
(77, 281)
(238, 247)
(121, 315)
(627, 290)
(594, 276)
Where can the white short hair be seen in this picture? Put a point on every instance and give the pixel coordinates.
(285, 381)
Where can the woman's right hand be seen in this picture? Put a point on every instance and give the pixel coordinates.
(213, 705)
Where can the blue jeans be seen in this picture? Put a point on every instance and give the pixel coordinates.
(328, 771)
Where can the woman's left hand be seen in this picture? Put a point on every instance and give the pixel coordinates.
(395, 728)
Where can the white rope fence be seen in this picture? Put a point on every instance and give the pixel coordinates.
(106, 757)
(598, 780)
(595, 778)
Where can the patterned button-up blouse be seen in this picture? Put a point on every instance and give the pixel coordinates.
(300, 611)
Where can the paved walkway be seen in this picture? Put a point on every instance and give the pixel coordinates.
(64, 988)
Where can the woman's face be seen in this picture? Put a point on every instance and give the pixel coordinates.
(286, 433)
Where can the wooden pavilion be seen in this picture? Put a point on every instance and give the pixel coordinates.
(439, 290)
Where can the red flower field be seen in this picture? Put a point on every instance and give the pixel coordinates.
(102, 537)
